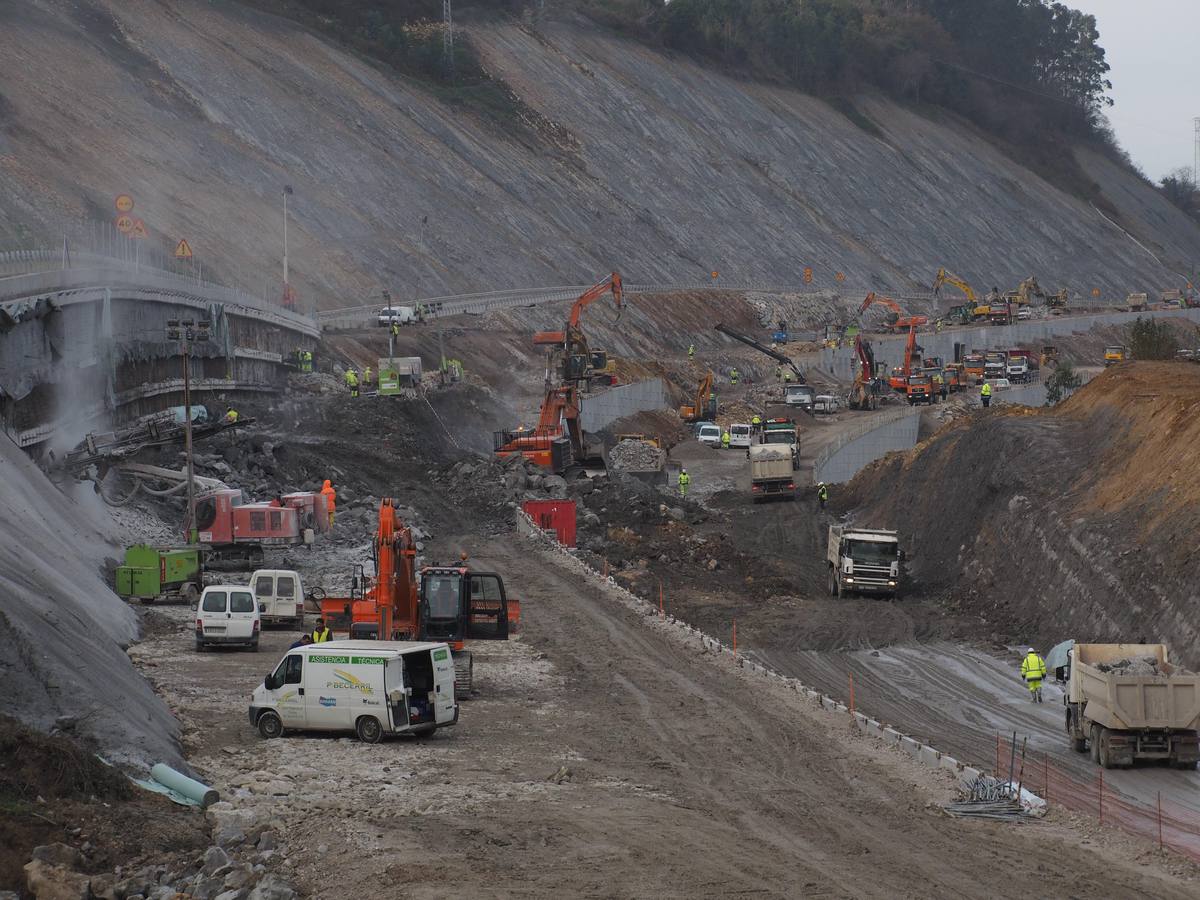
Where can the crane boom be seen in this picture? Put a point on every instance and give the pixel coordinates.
(762, 348)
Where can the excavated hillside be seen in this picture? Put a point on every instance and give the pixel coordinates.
(624, 157)
(1079, 521)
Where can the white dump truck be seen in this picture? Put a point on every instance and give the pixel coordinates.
(372, 688)
(1128, 702)
(771, 473)
(864, 561)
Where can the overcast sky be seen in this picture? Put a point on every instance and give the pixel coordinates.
(1151, 46)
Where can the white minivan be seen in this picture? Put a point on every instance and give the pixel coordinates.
(280, 596)
(372, 688)
(709, 434)
(227, 614)
(739, 436)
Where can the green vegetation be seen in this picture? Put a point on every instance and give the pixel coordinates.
(1061, 383)
(1181, 189)
(1151, 339)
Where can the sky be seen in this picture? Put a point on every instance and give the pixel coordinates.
(1152, 48)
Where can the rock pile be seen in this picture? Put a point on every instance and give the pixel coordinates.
(636, 456)
(1132, 665)
(232, 869)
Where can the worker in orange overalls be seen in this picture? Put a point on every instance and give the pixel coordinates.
(330, 496)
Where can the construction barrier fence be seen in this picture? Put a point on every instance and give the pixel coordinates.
(1165, 822)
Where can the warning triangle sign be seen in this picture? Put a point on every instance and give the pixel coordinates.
(184, 250)
(139, 229)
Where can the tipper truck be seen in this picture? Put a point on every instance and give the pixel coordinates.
(864, 561)
(1128, 702)
(771, 472)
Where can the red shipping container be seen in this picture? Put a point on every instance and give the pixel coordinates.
(554, 515)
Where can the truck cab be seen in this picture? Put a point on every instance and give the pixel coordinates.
(864, 561)
(801, 395)
(782, 431)
(918, 389)
(1115, 354)
(457, 605)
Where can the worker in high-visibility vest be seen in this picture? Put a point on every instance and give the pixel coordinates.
(822, 494)
(1033, 670)
(691, 351)
(321, 633)
(985, 394)
(367, 375)
(352, 382)
(733, 376)
(756, 424)
(330, 496)
(231, 415)
(684, 480)
(725, 440)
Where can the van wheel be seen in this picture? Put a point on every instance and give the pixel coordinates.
(270, 725)
(368, 729)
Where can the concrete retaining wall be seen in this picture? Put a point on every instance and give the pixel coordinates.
(1033, 331)
(844, 462)
(602, 410)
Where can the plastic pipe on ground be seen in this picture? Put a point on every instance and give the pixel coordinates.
(189, 787)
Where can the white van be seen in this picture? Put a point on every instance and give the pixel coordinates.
(280, 596)
(709, 434)
(227, 614)
(401, 315)
(739, 436)
(372, 688)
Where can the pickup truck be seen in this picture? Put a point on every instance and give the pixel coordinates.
(1128, 702)
(771, 472)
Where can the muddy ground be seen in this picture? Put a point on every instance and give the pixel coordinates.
(603, 757)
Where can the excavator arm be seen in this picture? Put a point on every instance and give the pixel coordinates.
(947, 277)
(763, 348)
(901, 321)
(610, 284)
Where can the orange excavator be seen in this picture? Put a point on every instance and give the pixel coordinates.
(448, 603)
(900, 378)
(704, 404)
(579, 360)
(901, 321)
(557, 441)
(862, 393)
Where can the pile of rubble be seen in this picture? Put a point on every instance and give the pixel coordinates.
(235, 871)
(636, 456)
(1132, 665)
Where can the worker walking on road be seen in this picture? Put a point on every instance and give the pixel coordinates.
(684, 480)
(822, 494)
(1033, 670)
(691, 351)
(733, 376)
(352, 382)
(725, 440)
(985, 395)
(756, 424)
(321, 634)
(330, 496)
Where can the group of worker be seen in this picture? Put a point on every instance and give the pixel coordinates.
(304, 360)
(782, 374)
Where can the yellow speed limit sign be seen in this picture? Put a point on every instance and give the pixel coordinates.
(124, 203)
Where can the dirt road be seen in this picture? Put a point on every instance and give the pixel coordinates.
(604, 758)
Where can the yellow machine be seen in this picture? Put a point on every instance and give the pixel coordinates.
(1115, 354)
(944, 276)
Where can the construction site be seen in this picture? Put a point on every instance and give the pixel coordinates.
(857, 578)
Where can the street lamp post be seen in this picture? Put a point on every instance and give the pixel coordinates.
(188, 332)
(288, 300)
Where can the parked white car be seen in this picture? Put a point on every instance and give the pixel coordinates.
(227, 614)
(401, 315)
(372, 688)
(739, 436)
(709, 434)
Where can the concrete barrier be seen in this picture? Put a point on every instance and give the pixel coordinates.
(846, 460)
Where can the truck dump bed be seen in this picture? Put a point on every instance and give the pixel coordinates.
(1126, 696)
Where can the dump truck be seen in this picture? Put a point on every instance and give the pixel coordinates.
(1114, 354)
(771, 472)
(1128, 702)
(864, 561)
(782, 431)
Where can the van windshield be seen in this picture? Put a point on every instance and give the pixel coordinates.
(214, 601)
(241, 602)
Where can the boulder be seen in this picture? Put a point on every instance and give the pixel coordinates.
(47, 881)
(272, 888)
(214, 858)
(555, 486)
(58, 855)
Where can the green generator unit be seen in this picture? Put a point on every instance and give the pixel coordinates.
(151, 572)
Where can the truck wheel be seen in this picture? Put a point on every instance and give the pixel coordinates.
(832, 582)
(270, 725)
(1103, 755)
(1079, 744)
(368, 729)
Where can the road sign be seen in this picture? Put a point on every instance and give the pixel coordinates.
(124, 203)
(715, 273)
(183, 250)
(808, 274)
(840, 276)
(124, 224)
(1095, 292)
(139, 230)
